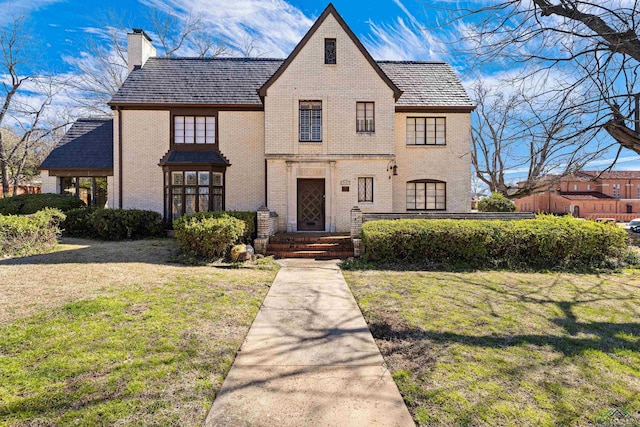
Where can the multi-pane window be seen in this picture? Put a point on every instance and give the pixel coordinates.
(638, 191)
(91, 190)
(616, 191)
(365, 189)
(426, 195)
(193, 191)
(329, 51)
(365, 117)
(311, 121)
(194, 130)
(426, 131)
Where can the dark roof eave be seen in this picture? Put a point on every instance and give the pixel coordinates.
(330, 10)
(435, 108)
(169, 105)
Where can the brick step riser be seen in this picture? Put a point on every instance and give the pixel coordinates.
(314, 254)
(292, 240)
(311, 246)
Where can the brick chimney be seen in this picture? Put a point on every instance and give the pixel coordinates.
(139, 48)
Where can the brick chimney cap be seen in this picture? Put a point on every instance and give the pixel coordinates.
(141, 31)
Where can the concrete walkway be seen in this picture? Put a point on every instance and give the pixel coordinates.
(309, 360)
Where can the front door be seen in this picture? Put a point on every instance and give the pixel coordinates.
(311, 205)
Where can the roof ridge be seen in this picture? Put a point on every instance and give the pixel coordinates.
(387, 61)
(218, 58)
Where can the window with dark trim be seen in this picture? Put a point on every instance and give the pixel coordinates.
(426, 131)
(194, 130)
(311, 121)
(365, 117)
(365, 189)
(91, 190)
(426, 195)
(189, 191)
(329, 51)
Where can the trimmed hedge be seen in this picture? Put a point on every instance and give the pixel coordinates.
(27, 235)
(496, 203)
(208, 236)
(26, 204)
(113, 224)
(545, 242)
(250, 219)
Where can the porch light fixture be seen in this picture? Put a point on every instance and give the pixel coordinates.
(392, 167)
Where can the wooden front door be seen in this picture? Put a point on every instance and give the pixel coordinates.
(311, 205)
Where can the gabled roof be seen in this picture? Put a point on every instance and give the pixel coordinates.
(427, 84)
(584, 195)
(88, 144)
(330, 10)
(611, 174)
(196, 81)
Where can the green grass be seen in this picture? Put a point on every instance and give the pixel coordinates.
(142, 353)
(503, 348)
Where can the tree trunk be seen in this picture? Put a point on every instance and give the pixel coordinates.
(4, 175)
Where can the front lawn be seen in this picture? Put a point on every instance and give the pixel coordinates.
(104, 333)
(504, 348)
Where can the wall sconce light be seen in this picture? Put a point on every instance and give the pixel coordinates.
(393, 168)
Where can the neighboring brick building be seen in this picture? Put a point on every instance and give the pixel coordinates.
(589, 194)
(310, 137)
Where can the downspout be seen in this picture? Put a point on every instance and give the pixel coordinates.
(119, 110)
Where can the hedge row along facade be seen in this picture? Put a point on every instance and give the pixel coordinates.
(311, 136)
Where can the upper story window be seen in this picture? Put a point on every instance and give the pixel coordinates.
(616, 191)
(365, 117)
(426, 131)
(426, 195)
(329, 51)
(311, 121)
(194, 129)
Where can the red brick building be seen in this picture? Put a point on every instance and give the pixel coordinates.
(585, 194)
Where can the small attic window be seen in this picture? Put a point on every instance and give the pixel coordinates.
(329, 51)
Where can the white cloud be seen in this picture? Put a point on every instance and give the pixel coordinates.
(10, 9)
(274, 26)
(404, 39)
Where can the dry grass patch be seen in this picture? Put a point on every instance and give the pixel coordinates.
(503, 348)
(103, 333)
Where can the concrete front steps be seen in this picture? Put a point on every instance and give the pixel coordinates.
(310, 245)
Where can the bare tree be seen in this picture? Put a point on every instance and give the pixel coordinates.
(14, 56)
(595, 43)
(523, 133)
(187, 32)
(37, 133)
(102, 70)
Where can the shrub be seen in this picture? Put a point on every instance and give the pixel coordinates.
(496, 203)
(249, 218)
(113, 224)
(120, 224)
(207, 235)
(26, 235)
(25, 204)
(77, 222)
(545, 242)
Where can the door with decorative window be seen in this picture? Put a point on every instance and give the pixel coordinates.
(311, 198)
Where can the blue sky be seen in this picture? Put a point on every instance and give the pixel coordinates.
(390, 29)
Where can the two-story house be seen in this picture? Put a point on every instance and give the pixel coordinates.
(310, 137)
(588, 194)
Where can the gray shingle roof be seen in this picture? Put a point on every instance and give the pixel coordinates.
(88, 144)
(432, 84)
(235, 81)
(186, 157)
(197, 81)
